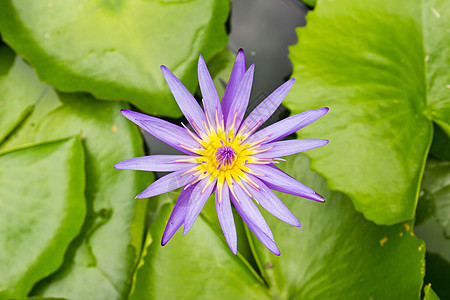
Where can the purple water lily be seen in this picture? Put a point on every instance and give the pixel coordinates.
(226, 154)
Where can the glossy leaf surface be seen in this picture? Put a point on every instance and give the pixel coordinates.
(42, 209)
(198, 265)
(382, 68)
(20, 89)
(123, 44)
(337, 253)
(103, 257)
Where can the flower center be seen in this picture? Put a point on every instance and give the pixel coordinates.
(225, 156)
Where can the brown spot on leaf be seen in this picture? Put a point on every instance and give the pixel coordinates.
(269, 265)
(383, 241)
(114, 128)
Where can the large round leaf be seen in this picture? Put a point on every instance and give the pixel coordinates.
(104, 255)
(113, 49)
(42, 209)
(382, 68)
(337, 253)
(197, 266)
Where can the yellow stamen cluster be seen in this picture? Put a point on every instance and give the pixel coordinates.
(208, 164)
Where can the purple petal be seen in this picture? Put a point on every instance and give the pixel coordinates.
(177, 216)
(249, 209)
(173, 135)
(226, 220)
(271, 203)
(284, 148)
(197, 201)
(267, 107)
(187, 103)
(287, 126)
(209, 92)
(278, 180)
(240, 102)
(155, 163)
(264, 238)
(166, 184)
(233, 83)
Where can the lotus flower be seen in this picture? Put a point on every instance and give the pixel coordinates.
(226, 154)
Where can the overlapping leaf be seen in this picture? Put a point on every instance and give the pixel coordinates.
(337, 253)
(197, 266)
(113, 49)
(103, 256)
(432, 224)
(382, 68)
(436, 189)
(20, 89)
(42, 209)
(429, 293)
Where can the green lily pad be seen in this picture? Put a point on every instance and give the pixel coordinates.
(104, 255)
(382, 68)
(6, 58)
(436, 185)
(209, 214)
(433, 212)
(20, 89)
(437, 273)
(429, 293)
(42, 209)
(197, 266)
(113, 49)
(337, 253)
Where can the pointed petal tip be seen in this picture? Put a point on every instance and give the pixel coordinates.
(275, 250)
(126, 112)
(166, 238)
(233, 248)
(163, 68)
(241, 52)
(185, 229)
(319, 198)
(200, 59)
(132, 115)
(324, 109)
(292, 221)
(140, 196)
